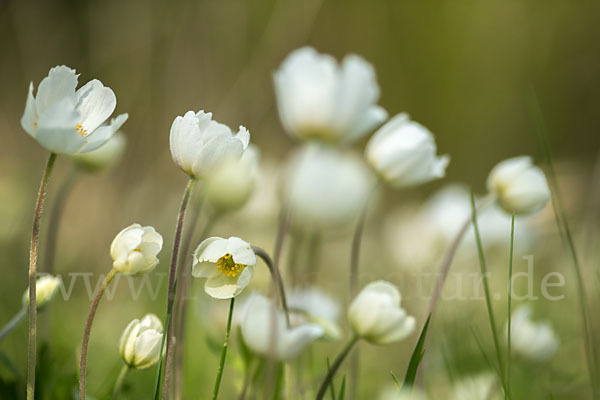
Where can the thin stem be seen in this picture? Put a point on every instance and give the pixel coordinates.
(172, 288)
(13, 322)
(510, 271)
(223, 351)
(335, 366)
(276, 277)
(486, 289)
(33, 255)
(120, 380)
(355, 251)
(88, 329)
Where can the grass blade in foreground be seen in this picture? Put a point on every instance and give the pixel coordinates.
(510, 271)
(416, 357)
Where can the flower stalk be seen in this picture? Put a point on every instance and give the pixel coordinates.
(119, 382)
(223, 351)
(276, 277)
(510, 272)
(13, 323)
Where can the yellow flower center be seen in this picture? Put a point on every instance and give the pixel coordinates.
(228, 267)
(80, 131)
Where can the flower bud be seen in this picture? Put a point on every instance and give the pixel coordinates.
(135, 248)
(519, 186)
(536, 341)
(103, 157)
(141, 342)
(45, 288)
(376, 316)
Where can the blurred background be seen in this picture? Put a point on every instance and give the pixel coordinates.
(461, 68)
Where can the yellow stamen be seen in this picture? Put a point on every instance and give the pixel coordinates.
(80, 131)
(138, 250)
(228, 267)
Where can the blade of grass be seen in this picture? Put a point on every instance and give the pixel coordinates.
(510, 270)
(416, 357)
(331, 387)
(342, 395)
(398, 385)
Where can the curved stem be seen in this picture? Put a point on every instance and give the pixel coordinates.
(223, 351)
(172, 288)
(355, 251)
(88, 329)
(509, 333)
(33, 254)
(13, 322)
(276, 277)
(335, 366)
(120, 380)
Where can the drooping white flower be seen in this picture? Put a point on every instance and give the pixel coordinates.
(327, 187)
(319, 98)
(403, 153)
(231, 184)
(477, 387)
(135, 248)
(265, 332)
(228, 265)
(103, 157)
(536, 341)
(68, 121)
(141, 342)
(519, 186)
(376, 316)
(45, 289)
(199, 144)
(313, 305)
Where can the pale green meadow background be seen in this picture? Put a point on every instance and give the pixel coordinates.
(463, 68)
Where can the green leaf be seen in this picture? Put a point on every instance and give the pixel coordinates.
(398, 385)
(331, 387)
(342, 395)
(417, 356)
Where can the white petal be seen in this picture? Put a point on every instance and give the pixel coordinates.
(241, 251)
(96, 104)
(30, 117)
(103, 134)
(211, 249)
(59, 85)
(220, 286)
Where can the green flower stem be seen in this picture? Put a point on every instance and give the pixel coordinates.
(88, 330)
(120, 380)
(510, 272)
(13, 322)
(172, 288)
(335, 366)
(276, 277)
(33, 255)
(223, 351)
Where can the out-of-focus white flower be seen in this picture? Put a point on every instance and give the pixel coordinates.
(68, 121)
(536, 341)
(318, 98)
(231, 184)
(141, 342)
(315, 306)
(103, 157)
(327, 187)
(228, 265)
(376, 316)
(135, 248)
(265, 331)
(519, 186)
(45, 289)
(478, 387)
(403, 153)
(393, 393)
(199, 144)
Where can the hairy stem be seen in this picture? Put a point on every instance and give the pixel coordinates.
(334, 367)
(223, 351)
(276, 277)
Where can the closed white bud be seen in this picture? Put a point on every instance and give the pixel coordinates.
(45, 289)
(135, 248)
(103, 157)
(519, 186)
(376, 316)
(534, 340)
(141, 342)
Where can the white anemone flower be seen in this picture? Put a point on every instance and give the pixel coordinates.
(376, 316)
(327, 187)
(536, 341)
(392, 392)
(314, 305)
(228, 265)
(403, 153)
(319, 98)
(45, 289)
(266, 333)
(477, 387)
(68, 121)
(519, 186)
(141, 342)
(135, 248)
(199, 144)
(104, 157)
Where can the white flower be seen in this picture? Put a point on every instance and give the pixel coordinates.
(231, 184)
(104, 157)
(478, 387)
(313, 305)
(199, 144)
(141, 342)
(375, 314)
(393, 393)
(327, 187)
(264, 338)
(519, 186)
(403, 152)
(135, 248)
(67, 121)
(536, 341)
(317, 97)
(45, 289)
(227, 263)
